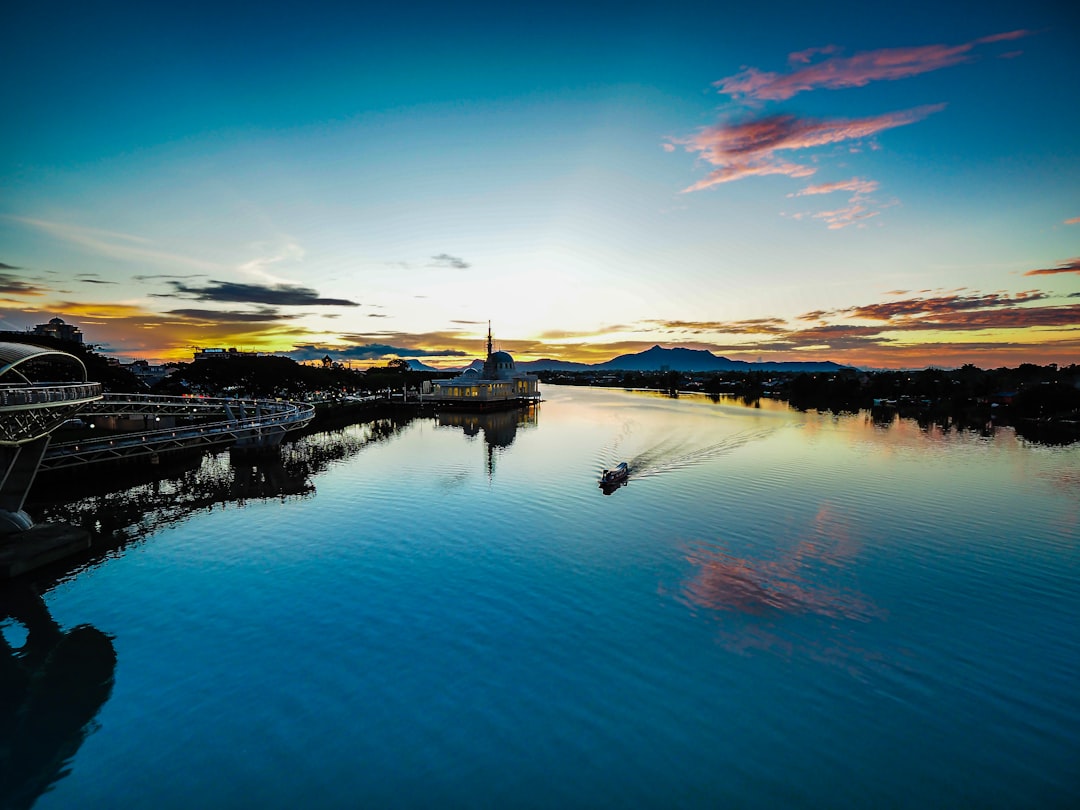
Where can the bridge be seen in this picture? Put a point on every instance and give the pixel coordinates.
(42, 389)
(233, 422)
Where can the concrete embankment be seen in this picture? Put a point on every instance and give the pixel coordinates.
(25, 551)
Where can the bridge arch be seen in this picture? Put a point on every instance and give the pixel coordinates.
(14, 355)
(40, 389)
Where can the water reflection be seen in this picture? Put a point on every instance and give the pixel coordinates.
(805, 579)
(52, 685)
(53, 682)
(608, 489)
(499, 428)
(120, 509)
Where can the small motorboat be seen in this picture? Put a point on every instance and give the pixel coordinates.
(616, 475)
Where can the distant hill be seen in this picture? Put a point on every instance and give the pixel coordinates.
(416, 365)
(655, 359)
(680, 359)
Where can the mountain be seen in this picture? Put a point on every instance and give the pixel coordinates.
(680, 359)
(416, 365)
(656, 359)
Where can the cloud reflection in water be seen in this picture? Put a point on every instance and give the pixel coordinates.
(770, 592)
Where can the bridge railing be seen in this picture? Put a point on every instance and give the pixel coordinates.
(125, 404)
(23, 395)
(282, 417)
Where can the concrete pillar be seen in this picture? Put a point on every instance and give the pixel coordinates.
(18, 469)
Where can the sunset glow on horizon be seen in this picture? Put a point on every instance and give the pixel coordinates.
(877, 189)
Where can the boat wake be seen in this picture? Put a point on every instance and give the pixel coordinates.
(674, 455)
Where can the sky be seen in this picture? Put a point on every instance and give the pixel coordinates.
(880, 185)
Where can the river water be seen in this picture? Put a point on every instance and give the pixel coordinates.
(778, 609)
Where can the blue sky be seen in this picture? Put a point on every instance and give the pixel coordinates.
(886, 186)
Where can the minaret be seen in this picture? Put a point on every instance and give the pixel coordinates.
(489, 367)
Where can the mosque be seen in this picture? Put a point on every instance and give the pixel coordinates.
(498, 385)
(56, 328)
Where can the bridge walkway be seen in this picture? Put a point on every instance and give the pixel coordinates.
(245, 423)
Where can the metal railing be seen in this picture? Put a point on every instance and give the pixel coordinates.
(23, 396)
(259, 421)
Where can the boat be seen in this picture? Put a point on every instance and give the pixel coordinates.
(616, 475)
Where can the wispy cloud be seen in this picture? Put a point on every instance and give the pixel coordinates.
(1073, 221)
(91, 278)
(451, 262)
(894, 332)
(1071, 266)
(274, 295)
(941, 305)
(843, 217)
(753, 326)
(271, 255)
(8, 267)
(112, 244)
(837, 72)
(155, 276)
(368, 351)
(753, 147)
(13, 285)
(856, 185)
(388, 345)
(213, 316)
(769, 144)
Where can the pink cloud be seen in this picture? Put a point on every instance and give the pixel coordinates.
(1073, 221)
(842, 217)
(855, 185)
(807, 56)
(750, 148)
(885, 64)
(739, 171)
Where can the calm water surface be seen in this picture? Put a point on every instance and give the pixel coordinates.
(778, 609)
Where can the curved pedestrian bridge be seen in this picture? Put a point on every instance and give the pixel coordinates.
(40, 389)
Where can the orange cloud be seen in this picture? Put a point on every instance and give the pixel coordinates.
(885, 64)
(1037, 333)
(1073, 221)
(753, 326)
(1071, 266)
(939, 306)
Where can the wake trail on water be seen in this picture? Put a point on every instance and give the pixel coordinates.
(672, 455)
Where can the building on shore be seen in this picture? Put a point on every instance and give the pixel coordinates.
(221, 354)
(56, 328)
(497, 385)
(150, 374)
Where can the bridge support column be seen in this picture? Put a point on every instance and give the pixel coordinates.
(18, 468)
